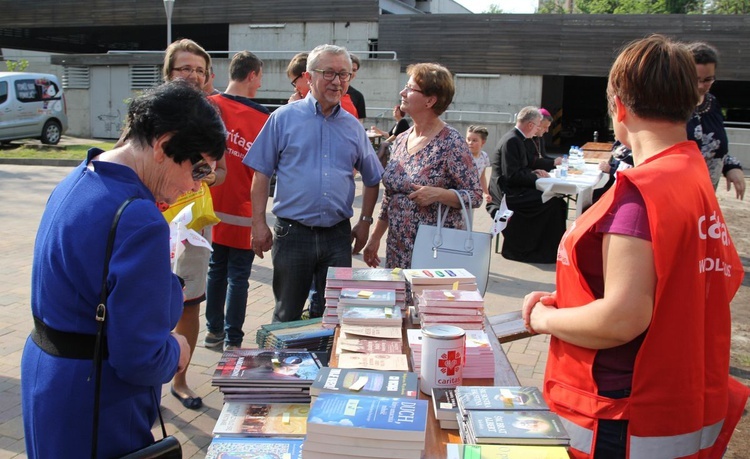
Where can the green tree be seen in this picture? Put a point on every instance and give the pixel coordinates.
(17, 66)
(729, 7)
(630, 6)
(494, 9)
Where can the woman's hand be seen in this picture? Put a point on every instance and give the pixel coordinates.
(737, 178)
(423, 196)
(547, 300)
(370, 253)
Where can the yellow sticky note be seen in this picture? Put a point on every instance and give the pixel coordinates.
(389, 312)
(286, 418)
(365, 294)
(455, 285)
(396, 270)
(275, 361)
(448, 294)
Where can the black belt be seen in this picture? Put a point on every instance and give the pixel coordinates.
(69, 345)
(312, 228)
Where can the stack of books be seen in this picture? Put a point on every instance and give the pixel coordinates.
(350, 426)
(360, 279)
(462, 308)
(266, 375)
(511, 415)
(351, 381)
(299, 334)
(445, 407)
(239, 419)
(258, 447)
(371, 347)
(449, 278)
(480, 362)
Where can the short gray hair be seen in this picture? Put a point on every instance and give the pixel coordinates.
(528, 114)
(314, 57)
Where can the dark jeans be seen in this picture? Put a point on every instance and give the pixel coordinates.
(228, 275)
(299, 253)
(612, 436)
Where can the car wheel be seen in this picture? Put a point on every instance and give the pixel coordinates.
(51, 133)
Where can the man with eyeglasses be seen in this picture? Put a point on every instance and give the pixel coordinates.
(535, 230)
(314, 147)
(232, 257)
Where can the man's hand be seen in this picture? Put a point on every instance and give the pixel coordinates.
(360, 233)
(262, 239)
(736, 177)
(541, 173)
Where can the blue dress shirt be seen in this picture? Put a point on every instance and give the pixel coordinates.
(314, 157)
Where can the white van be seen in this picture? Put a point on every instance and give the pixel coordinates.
(32, 105)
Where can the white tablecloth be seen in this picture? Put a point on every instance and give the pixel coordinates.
(581, 186)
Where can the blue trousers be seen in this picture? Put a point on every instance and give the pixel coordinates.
(298, 253)
(228, 275)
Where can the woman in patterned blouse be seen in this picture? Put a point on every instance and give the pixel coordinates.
(428, 160)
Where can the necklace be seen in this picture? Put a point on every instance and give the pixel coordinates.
(535, 141)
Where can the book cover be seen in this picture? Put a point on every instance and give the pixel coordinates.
(385, 362)
(263, 420)
(518, 398)
(368, 315)
(458, 451)
(371, 297)
(438, 276)
(368, 417)
(365, 278)
(444, 403)
(254, 447)
(386, 450)
(238, 366)
(455, 298)
(370, 331)
(369, 346)
(397, 384)
(516, 428)
(509, 326)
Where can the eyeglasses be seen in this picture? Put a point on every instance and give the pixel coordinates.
(707, 80)
(203, 169)
(408, 88)
(186, 71)
(294, 81)
(330, 75)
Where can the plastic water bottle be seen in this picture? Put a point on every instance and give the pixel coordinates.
(564, 169)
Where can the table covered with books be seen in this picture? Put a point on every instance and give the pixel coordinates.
(367, 402)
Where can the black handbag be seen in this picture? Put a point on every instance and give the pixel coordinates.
(166, 448)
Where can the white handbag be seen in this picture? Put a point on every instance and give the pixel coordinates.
(436, 247)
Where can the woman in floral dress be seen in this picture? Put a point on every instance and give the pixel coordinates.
(428, 160)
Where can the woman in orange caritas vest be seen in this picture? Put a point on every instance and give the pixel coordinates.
(639, 355)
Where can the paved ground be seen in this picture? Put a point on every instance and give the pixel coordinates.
(26, 189)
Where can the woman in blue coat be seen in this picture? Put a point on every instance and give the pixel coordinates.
(172, 137)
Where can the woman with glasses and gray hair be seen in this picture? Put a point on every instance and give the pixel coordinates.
(173, 138)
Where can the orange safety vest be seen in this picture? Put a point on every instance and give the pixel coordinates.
(680, 405)
(243, 119)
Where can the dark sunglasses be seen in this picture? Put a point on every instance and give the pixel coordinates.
(202, 169)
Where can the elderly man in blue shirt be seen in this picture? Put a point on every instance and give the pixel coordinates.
(314, 147)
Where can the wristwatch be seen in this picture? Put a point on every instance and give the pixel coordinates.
(366, 219)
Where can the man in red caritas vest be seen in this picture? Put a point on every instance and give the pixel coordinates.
(232, 257)
(638, 365)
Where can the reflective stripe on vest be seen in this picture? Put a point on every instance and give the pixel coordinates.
(581, 438)
(235, 220)
(676, 445)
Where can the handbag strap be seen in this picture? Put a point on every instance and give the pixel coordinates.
(101, 316)
(443, 217)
